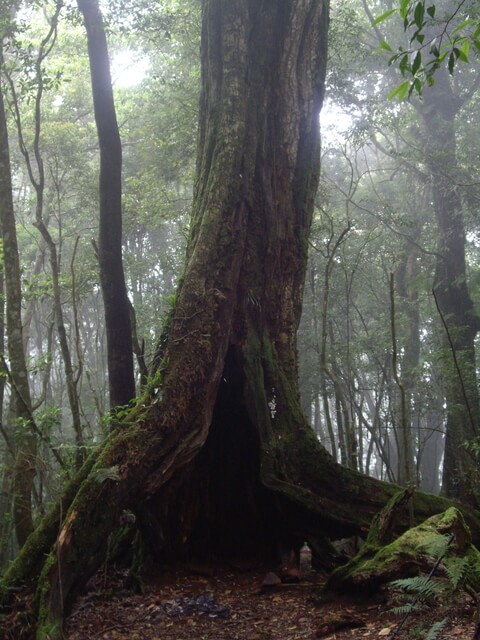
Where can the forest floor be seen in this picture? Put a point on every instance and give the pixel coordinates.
(198, 603)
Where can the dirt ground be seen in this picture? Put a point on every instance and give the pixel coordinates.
(203, 603)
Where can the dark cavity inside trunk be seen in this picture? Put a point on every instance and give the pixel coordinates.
(217, 508)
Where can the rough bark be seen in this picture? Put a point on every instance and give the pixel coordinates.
(217, 455)
(112, 278)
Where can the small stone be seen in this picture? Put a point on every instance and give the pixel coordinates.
(271, 580)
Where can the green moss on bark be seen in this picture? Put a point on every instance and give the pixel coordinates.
(28, 563)
(444, 534)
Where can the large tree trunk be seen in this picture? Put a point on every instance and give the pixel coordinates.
(217, 455)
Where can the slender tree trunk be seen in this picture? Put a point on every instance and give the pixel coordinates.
(345, 422)
(25, 459)
(404, 431)
(6, 485)
(431, 451)
(116, 303)
(30, 305)
(321, 385)
(408, 331)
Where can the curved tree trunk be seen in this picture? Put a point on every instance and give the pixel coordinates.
(117, 306)
(218, 454)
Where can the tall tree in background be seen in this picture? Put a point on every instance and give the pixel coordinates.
(445, 33)
(26, 440)
(461, 323)
(117, 309)
(434, 119)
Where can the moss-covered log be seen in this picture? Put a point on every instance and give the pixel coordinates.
(441, 538)
(217, 456)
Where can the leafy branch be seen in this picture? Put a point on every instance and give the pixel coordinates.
(432, 43)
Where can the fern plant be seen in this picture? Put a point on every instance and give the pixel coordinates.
(458, 571)
(423, 592)
(435, 545)
(418, 591)
(435, 629)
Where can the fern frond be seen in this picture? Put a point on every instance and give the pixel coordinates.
(457, 570)
(403, 609)
(434, 545)
(421, 586)
(435, 629)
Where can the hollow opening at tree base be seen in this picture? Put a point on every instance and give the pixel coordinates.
(217, 507)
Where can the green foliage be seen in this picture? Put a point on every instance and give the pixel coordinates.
(434, 545)
(103, 474)
(115, 417)
(435, 629)
(432, 42)
(458, 570)
(420, 593)
(425, 591)
(48, 420)
(474, 447)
